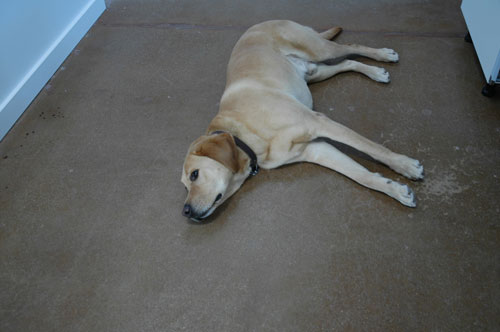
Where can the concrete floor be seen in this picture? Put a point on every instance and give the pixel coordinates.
(91, 232)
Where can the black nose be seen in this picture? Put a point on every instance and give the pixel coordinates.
(186, 212)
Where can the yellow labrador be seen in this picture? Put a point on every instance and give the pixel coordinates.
(266, 118)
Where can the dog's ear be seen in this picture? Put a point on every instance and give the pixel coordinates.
(221, 148)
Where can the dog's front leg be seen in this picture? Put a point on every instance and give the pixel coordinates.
(326, 155)
(286, 147)
(325, 127)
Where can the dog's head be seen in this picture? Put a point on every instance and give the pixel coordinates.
(213, 170)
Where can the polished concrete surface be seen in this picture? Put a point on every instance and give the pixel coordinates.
(91, 232)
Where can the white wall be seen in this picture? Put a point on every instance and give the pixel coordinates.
(35, 38)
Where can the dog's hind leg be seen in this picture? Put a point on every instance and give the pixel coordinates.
(325, 127)
(307, 44)
(320, 49)
(322, 72)
(326, 155)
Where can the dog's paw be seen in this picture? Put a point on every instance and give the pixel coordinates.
(411, 168)
(404, 194)
(380, 75)
(388, 55)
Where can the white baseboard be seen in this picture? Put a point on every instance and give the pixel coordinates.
(13, 106)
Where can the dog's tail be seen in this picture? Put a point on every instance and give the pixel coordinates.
(331, 33)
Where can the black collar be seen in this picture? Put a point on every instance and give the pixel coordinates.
(254, 167)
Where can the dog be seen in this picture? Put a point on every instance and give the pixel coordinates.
(266, 120)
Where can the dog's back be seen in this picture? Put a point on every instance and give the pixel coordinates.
(264, 59)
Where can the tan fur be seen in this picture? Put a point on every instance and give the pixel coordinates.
(220, 148)
(268, 105)
(331, 33)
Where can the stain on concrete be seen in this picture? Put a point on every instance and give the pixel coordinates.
(441, 186)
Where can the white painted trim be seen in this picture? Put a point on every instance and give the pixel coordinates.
(495, 73)
(13, 106)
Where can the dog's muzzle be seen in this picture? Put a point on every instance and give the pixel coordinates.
(188, 211)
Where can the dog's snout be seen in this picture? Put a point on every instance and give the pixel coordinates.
(187, 211)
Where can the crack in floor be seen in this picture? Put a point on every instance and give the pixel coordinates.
(194, 26)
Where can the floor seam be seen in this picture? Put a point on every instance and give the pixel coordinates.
(190, 26)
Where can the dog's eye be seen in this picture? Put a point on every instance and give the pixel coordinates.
(194, 175)
(218, 197)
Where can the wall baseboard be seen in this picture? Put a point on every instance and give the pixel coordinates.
(30, 85)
